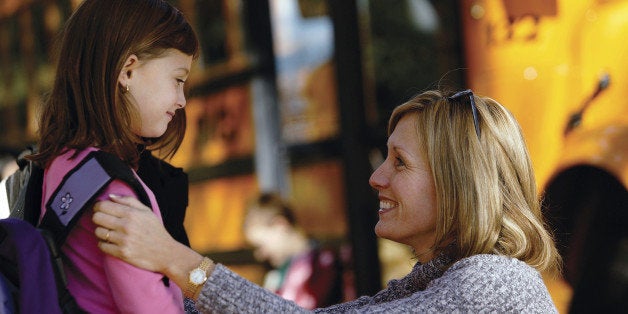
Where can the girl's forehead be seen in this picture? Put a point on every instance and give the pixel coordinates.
(172, 58)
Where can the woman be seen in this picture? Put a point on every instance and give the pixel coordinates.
(457, 187)
(118, 84)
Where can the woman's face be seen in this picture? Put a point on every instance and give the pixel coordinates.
(156, 89)
(407, 197)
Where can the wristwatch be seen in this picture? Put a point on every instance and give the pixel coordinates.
(197, 277)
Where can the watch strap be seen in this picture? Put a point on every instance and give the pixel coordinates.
(192, 290)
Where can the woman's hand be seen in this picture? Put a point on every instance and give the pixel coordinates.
(132, 232)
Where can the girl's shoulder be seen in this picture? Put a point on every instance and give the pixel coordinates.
(67, 161)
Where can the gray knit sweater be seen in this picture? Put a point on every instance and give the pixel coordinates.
(481, 283)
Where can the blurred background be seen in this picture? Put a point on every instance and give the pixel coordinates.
(293, 96)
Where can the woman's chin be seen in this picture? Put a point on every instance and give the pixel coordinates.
(381, 230)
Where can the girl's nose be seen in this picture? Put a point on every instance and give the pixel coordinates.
(181, 101)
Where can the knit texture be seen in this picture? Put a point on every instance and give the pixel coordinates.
(480, 284)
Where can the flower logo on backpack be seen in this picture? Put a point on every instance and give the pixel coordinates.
(65, 205)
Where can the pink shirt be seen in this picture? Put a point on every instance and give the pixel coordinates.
(99, 282)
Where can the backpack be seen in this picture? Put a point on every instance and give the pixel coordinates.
(31, 262)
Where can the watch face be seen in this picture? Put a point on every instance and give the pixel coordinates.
(197, 276)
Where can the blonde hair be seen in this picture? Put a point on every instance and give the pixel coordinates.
(486, 192)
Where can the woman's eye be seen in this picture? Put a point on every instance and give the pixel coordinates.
(399, 162)
(180, 82)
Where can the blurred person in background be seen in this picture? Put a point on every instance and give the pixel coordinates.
(457, 186)
(303, 271)
(8, 165)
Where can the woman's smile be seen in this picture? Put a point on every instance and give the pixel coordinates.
(386, 206)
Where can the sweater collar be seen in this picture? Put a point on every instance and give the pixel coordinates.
(423, 274)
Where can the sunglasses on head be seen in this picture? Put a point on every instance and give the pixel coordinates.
(461, 96)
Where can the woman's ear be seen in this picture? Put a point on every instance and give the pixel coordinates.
(130, 64)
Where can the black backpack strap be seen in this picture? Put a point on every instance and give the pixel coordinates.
(33, 193)
(79, 189)
(24, 189)
(67, 302)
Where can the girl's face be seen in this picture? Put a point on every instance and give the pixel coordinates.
(407, 197)
(155, 87)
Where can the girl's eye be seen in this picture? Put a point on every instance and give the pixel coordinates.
(180, 82)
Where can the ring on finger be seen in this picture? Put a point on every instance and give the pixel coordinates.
(107, 236)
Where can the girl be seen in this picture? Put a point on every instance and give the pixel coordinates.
(118, 89)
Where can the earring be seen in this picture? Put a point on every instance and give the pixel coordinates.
(127, 87)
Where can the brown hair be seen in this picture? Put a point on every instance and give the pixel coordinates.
(86, 106)
(486, 192)
(270, 205)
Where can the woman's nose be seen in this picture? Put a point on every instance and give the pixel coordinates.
(378, 179)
